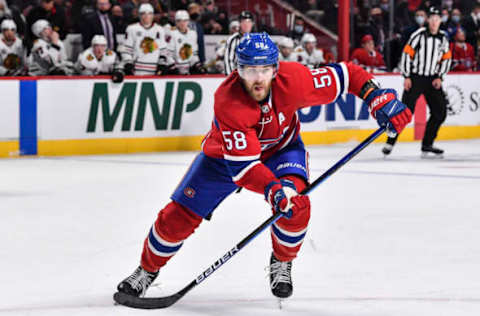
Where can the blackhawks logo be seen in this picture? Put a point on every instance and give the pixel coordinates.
(148, 45)
(89, 57)
(185, 51)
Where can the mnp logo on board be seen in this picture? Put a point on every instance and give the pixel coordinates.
(134, 99)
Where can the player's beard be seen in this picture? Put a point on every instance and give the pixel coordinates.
(258, 90)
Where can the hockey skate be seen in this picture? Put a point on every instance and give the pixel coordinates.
(280, 278)
(387, 149)
(137, 283)
(431, 152)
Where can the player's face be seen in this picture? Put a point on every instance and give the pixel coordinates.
(9, 34)
(46, 32)
(246, 26)
(309, 47)
(146, 18)
(99, 50)
(257, 80)
(286, 51)
(182, 25)
(434, 22)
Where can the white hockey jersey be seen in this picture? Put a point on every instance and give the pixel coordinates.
(145, 48)
(12, 57)
(183, 48)
(47, 57)
(88, 64)
(312, 60)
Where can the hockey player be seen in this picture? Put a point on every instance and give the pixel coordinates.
(308, 53)
(96, 59)
(144, 51)
(254, 143)
(183, 46)
(48, 56)
(286, 53)
(12, 51)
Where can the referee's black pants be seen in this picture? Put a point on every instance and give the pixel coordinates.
(437, 104)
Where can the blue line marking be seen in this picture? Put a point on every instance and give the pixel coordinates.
(28, 117)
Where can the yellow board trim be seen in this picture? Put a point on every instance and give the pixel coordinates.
(9, 149)
(181, 143)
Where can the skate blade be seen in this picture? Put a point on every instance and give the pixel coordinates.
(281, 302)
(431, 156)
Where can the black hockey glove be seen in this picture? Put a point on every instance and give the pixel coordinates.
(198, 69)
(117, 76)
(128, 69)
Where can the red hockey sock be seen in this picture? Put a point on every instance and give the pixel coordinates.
(173, 225)
(288, 233)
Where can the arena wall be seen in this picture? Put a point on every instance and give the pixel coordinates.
(81, 115)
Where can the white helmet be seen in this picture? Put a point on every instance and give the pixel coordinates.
(233, 24)
(308, 38)
(39, 26)
(99, 40)
(286, 42)
(8, 24)
(145, 8)
(182, 15)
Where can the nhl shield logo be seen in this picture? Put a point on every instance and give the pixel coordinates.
(189, 192)
(265, 109)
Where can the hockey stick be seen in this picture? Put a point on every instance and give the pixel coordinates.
(166, 301)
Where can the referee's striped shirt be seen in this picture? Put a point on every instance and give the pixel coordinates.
(426, 54)
(230, 58)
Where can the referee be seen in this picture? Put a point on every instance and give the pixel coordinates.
(426, 59)
(230, 58)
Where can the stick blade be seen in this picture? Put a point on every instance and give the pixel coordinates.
(145, 302)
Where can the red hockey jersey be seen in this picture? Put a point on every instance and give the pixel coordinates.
(245, 133)
(362, 57)
(463, 57)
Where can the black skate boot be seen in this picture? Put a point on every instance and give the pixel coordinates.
(426, 150)
(280, 277)
(387, 149)
(137, 283)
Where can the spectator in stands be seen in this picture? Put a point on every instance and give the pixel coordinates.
(144, 51)
(12, 51)
(97, 59)
(298, 30)
(454, 23)
(367, 57)
(100, 22)
(463, 56)
(195, 13)
(48, 56)
(128, 8)
(183, 47)
(246, 26)
(286, 53)
(420, 20)
(445, 19)
(118, 19)
(46, 11)
(472, 28)
(308, 53)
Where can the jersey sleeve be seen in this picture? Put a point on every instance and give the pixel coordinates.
(325, 84)
(126, 50)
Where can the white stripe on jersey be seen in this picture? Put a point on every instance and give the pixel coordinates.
(245, 170)
(241, 158)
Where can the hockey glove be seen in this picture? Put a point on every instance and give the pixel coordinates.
(279, 195)
(388, 110)
(128, 69)
(117, 76)
(198, 69)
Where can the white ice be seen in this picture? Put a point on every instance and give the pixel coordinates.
(397, 236)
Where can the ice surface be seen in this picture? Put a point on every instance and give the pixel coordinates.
(387, 237)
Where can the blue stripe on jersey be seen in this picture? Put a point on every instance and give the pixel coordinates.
(216, 122)
(159, 247)
(285, 238)
(341, 76)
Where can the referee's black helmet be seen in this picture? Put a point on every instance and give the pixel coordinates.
(434, 10)
(246, 15)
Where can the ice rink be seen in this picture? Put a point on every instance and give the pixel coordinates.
(397, 236)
